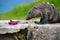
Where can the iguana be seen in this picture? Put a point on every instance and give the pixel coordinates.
(46, 11)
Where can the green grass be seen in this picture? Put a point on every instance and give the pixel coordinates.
(21, 11)
(18, 12)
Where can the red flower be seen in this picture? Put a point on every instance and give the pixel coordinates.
(13, 22)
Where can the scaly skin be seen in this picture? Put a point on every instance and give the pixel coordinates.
(46, 11)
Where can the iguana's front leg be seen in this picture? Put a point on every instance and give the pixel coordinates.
(44, 20)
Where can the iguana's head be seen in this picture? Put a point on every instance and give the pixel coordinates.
(34, 12)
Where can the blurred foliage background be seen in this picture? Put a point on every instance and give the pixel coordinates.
(20, 12)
